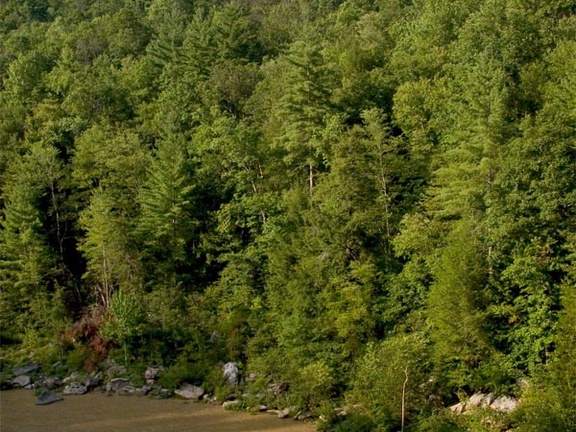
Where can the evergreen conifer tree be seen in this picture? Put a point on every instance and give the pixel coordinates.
(28, 265)
(166, 226)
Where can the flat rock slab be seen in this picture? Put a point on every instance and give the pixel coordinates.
(75, 389)
(26, 369)
(21, 381)
(189, 391)
(459, 408)
(47, 397)
(130, 390)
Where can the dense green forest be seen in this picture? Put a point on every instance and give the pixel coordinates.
(337, 195)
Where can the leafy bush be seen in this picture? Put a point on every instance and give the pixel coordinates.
(377, 385)
(79, 358)
(442, 421)
(549, 403)
(184, 370)
(316, 381)
(126, 318)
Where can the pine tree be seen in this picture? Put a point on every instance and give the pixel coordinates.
(107, 169)
(111, 262)
(303, 108)
(166, 225)
(28, 265)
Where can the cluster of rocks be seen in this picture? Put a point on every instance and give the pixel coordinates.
(112, 379)
(231, 374)
(503, 404)
(272, 391)
(79, 384)
(291, 412)
(24, 376)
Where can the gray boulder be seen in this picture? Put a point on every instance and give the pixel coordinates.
(22, 381)
(48, 383)
(127, 390)
(230, 404)
(504, 404)
(130, 390)
(459, 408)
(481, 400)
(92, 381)
(277, 389)
(75, 389)
(151, 374)
(141, 391)
(115, 371)
(47, 397)
(284, 413)
(189, 391)
(30, 368)
(88, 381)
(117, 384)
(231, 373)
(73, 377)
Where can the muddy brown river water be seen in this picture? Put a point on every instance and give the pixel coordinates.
(96, 412)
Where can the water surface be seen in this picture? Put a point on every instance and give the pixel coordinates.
(100, 413)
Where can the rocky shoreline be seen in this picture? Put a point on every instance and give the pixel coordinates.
(112, 379)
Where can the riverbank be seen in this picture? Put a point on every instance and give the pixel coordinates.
(96, 412)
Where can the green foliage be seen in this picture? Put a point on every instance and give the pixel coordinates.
(327, 192)
(166, 224)
(109, 262)
(380, 376)
(28, 265)
(164, 332)
(544, 409)
(455, 307)
(441, 421)
(183, 370)
(126, 317)
(78, 358)
(111, 159)
(549, 403)
(41, 347)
